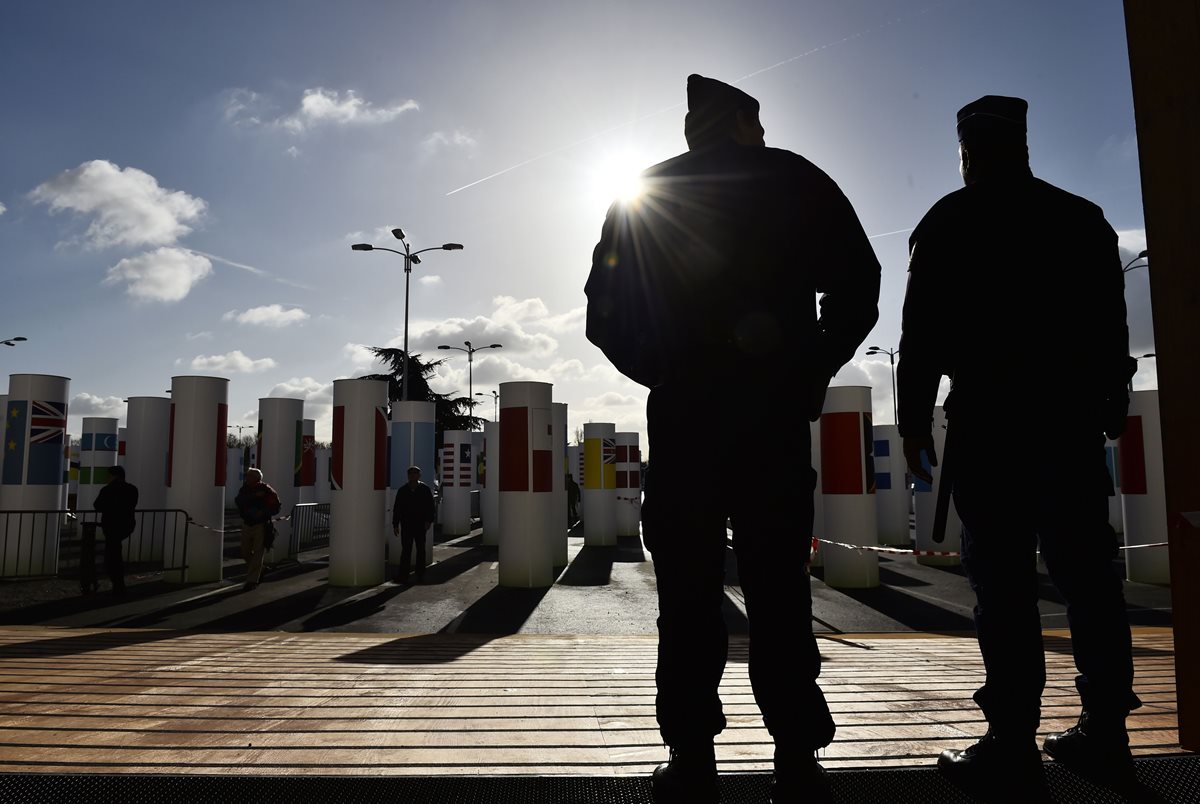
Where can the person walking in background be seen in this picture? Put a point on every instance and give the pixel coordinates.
(713, 271)
(413, 514)
(116, 504)
(257, 503)
(969, 283)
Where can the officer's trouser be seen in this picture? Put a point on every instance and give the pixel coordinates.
(1053, 497)
(705, 467)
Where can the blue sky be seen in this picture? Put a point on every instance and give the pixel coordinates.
(181, 182)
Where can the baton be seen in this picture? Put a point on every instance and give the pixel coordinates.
(945, 486)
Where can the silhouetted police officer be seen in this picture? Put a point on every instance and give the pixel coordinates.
(1034, 273)
(703, 290)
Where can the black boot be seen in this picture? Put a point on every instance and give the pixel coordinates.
(995, 764)
(688, 777)
(1096, 746)
(799, 778)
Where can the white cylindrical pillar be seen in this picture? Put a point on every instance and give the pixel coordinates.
(814, 431)
(35, 432)
(234, 475)
(280, 433)
(458, 478)
(97, 454)
(196, 474)
(558, 528)
(147, 443)
(489, 491)
(600, 484)
(847, 483)
(324, 479)
(892, 495)
(414, 443)
(1112, 457)
(629, 484)
(925, 505)
(526, 484)
(1143, 492)
(305, 470)
(359, 482)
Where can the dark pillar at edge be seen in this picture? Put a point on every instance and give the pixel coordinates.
(1164, 61)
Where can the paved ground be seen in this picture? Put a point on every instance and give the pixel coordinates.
(601, 591)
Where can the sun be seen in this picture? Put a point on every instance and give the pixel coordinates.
(617, 177)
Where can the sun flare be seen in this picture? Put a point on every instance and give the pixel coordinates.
(618, 177)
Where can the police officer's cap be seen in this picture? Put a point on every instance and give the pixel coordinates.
(711, 103)
(994, 112)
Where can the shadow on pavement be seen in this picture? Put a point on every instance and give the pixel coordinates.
(419, 649)
(503, 610)
(593, 565)
(911, 611)
(82, 643)
(354, 606)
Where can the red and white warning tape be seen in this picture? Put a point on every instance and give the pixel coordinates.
(939, 553)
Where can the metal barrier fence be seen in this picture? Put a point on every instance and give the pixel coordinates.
(310, 527)
(42, 543)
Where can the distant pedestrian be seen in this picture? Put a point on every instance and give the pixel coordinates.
(116, 503)
(412, 517)
(967, 284)
(258, 503)
(572, 501)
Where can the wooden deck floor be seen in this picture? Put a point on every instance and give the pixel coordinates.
(144, 701)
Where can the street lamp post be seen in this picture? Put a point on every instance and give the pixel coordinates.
(891, 353)
(410, 259)
(1142, 255)
(495, 395)
(1148, 354)
(14, 340)
(471, 350)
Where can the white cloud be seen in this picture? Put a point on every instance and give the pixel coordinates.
(426, 336)
(1137, 291)
(429, 281)
(535, 313)
(232, 362)
(318, 106)
(306, 388)
(162, 275)
(358, 355)
(292, 151)
(199, 336)
(453, 139)
(269, 315)
(611, 399)
(380, 234)
(127, 205)
(90, 405)
(3, 209)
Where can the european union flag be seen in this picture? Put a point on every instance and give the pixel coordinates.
(14, 442)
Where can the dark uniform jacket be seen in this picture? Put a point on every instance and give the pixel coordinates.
(257, 503)
(1015, 291)
(116, 503)
(413, 507)
(714, 271)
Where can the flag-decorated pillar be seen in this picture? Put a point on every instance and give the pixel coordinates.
(413, 444)
(324, 484)
(147, 443)
(814, 432)
(558, 529)
(892, 495)
(121, 435)
(359, 482)
(629, 484)
(97, 454)
(600, 484)
(280, 433)
(304, 471)
(1143, 493)
(35, 431)
(72, 456)
(1116, 513)
(925, 505)
(848, 483)
(489, 502)
(526, 484)
(458, 478)
(196, 474)
(580, 459)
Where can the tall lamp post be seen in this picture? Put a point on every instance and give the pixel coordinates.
(410, 259)
(1142, 255)
(471, 350)
(495, 395)
(891, 353)
(14, 340)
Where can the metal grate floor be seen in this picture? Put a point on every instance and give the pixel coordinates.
(1169, 780)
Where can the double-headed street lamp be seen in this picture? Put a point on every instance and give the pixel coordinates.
(1142, 255)
(14, 340)
(410, 259)
(891, 353)
(495, 395)
(471, 350)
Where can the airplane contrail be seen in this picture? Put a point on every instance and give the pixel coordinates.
(251, 269)
(889, 234)
(627, 123)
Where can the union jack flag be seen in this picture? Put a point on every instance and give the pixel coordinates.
(48, 422)
(608, 451)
